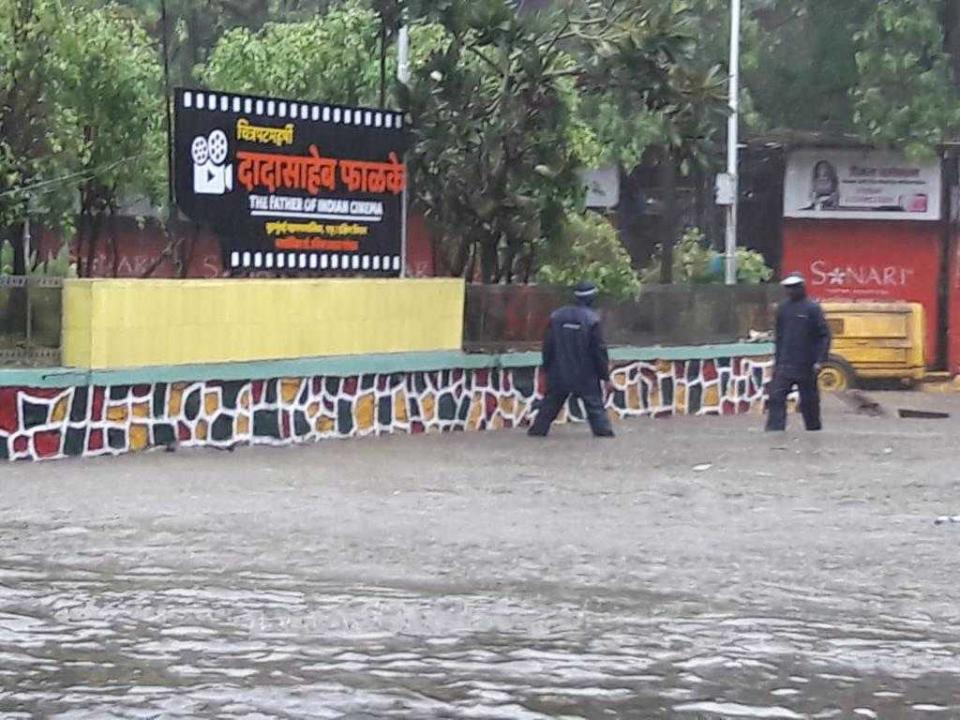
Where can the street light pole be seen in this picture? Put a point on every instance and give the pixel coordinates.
(403, 75)
(733, 141)
(403, 53)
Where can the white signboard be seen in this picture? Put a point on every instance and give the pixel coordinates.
(861, 185)
(603, 187)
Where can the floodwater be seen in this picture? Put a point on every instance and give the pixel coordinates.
(488, 576)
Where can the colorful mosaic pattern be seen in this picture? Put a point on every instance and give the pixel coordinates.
(39, 424)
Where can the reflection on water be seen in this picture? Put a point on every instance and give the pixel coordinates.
(90, 638)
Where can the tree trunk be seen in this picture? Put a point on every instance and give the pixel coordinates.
(114, 244)
(459, 261)
(489, 260)
(14, 319)
(507, 272)
(951, 36)
(19, 252)
(78, 244)
(668, 220)
(699, 199)
(529, 265)
(630, 217)
(470, 271)
(187, 251)
(93, 222)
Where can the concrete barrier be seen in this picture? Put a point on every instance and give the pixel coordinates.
(59, 413)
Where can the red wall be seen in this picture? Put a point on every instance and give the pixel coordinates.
(138, 247)
(953, 338)
(419, 248)
(864, 260)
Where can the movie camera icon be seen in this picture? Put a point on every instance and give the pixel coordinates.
(211, 173)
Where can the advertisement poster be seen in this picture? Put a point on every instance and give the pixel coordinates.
(291, 186)
(895, 262)
(861, 184)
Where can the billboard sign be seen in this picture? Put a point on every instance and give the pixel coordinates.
(290, 186)
(861, 184)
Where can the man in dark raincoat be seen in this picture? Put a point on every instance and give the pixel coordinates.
(576, 363)
(803, 344)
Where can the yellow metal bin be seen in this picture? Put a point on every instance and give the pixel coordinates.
(873, 341)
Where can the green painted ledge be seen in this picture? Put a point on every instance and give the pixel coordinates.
(346, 365)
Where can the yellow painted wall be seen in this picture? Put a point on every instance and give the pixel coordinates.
(136, 323)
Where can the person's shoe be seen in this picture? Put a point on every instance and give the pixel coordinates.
(536, 433)
(606, 434)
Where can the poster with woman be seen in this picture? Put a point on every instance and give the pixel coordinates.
(861, 184)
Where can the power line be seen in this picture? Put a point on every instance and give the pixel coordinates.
(72, 176)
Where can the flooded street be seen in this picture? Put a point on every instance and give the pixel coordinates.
(691, 568)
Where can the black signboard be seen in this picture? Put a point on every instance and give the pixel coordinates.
(292, 186)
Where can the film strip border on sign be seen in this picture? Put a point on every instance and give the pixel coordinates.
(252, 260)
(291, 109)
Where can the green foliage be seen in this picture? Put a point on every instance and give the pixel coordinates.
(648, 83)
(195, 27)
(112, 83)
(696, 263)
(508, 113)
(752, 269)
(81, 112)
(799, 64)
(590, 250)
(331, 58)
(875, 67)
(495, 139)
(907, 96)
(59, 266)
(37, 132)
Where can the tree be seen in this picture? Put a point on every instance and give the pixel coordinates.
(907, 92)
(571, 75)
(495, 155)
(36, 135)
(195, 28)
(332, 57)
(649, 90)
(805, 65)
(113, 88)
(589, 249)
(884, 69)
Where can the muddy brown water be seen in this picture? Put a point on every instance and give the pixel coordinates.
(488, 576)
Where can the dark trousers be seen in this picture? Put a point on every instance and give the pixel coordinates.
(553, 403)
(780, 387)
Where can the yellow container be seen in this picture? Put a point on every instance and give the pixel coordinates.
(875, 341)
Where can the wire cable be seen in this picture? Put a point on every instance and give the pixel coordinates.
(89, 172)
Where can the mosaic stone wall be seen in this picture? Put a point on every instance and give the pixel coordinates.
(39, 424)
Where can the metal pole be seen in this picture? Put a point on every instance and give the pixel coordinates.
(383, 59)
(28, 288)
(403, 54)
(733, 141)
(403, 75)
(167, 100)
